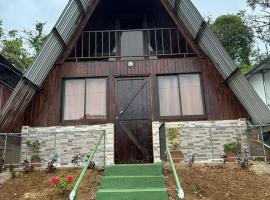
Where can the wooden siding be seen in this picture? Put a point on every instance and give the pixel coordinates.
(220, 102)
(5, 93)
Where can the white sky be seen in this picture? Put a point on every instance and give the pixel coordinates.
(22, 14)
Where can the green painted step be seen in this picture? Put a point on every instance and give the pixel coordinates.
(133, 194)
(131, 182)
(134, 170)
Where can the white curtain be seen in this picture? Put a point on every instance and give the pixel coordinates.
(169, 96)
(132, 44)
(96, 98)
(191, 94)
(74, 99)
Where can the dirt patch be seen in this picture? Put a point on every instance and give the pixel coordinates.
(215, 183)
(36, 185)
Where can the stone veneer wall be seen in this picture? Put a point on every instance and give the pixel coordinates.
(68, 140)
(204, 138)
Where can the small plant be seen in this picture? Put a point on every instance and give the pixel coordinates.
(191, 160)
(92, 164)
(198, 190)
(64, 186)
(244, 160)
(26, 165)
(75, 159)
(50, 166)
(174, 137)
(232, 147)
(35, 149)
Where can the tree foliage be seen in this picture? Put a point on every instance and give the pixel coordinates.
(259, 20)
(236, 37)
(37, 37)
(14, 44)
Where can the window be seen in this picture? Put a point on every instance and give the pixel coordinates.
(84, 99)
(180, 95)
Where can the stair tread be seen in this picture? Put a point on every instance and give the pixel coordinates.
(135, 190)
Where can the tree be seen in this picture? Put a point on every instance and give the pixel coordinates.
(12, 48)
(13, 45)
(37, 37)
(236, 37)
(259, 20)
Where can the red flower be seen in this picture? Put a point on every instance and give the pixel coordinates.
(55, 181)
(69, 179)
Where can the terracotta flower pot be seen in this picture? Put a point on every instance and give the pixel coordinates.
(176, 156)
(36, 162)
(231, 156)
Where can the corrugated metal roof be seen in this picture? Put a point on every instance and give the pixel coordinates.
(212, 47)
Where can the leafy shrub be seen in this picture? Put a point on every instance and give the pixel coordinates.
(35, 149)
(174, 137)
(233, 147)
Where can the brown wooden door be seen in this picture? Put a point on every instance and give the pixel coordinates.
(133, 128)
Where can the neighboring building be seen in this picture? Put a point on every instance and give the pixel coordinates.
(130, 67)
(9, 77)
(259, 78)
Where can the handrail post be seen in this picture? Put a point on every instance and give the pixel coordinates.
(180, 191)
(73, 194)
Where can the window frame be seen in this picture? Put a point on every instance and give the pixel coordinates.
(181, 116)
(63, 121)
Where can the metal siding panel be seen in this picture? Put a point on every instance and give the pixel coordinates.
(249, 98)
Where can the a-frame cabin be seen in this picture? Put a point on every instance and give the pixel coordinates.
(132, 65)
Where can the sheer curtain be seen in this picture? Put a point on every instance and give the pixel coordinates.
(95, 98)
(191, 94)
(74, 99)
(132, 44)
(169, 96)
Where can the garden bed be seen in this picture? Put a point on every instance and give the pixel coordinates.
(215, 183)
(37, 185)
(199, 182)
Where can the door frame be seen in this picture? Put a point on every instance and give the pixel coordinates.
(134, 77)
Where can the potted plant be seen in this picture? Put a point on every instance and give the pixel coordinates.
(231, 150)
(175, 143)
(35, 150)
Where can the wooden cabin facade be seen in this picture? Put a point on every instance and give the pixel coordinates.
(128, 63)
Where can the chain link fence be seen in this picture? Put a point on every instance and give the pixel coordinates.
(10, 148)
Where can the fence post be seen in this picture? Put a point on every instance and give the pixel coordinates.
(104, 147)
(5, 147)
(211, 140)
(263, 144)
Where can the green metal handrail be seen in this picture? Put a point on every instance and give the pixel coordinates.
(180, 190)
(73, 194)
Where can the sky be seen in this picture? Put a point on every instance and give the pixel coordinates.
(22, 14)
